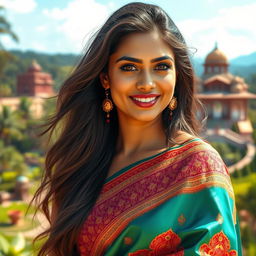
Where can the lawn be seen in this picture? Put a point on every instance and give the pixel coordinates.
(242, 184)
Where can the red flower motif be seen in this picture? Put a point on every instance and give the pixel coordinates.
(219, 245)
(145, 252)
(166, 244)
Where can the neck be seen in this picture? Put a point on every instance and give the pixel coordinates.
(137, 136)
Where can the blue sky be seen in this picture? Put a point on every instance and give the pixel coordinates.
(64, 26)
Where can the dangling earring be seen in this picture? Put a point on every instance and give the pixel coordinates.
(107, 106)
(172, 105)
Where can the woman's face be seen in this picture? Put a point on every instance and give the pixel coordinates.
(141, 77)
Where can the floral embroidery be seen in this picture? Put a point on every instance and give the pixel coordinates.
(181, 219)
(127, 240)
(219, 245)
(167, 243)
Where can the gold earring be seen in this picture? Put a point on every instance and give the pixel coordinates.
(107, 106)
(172, 105)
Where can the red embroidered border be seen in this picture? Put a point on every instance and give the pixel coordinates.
(146, 186)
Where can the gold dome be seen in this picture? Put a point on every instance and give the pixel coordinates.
(216, 57)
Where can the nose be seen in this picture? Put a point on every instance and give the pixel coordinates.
(145, 82)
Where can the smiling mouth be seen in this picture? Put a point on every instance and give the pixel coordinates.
(144, 102)
(144, 99)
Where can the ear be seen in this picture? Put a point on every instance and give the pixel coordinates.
(104, 80)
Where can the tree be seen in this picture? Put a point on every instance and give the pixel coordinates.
(24, 108)
(11, 160)
(5, 90)
(5, 29)
(11, 126)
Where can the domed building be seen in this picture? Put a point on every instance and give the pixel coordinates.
(216, 62)
(224, 95)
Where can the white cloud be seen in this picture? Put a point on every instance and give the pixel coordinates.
(78, 20)
(41, 28)
(19, 6)
(232, 28)
(37, 46)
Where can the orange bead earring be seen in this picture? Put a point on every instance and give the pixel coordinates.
(172, 105)
(107, 106)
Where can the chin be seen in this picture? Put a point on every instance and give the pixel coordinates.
(146, 118)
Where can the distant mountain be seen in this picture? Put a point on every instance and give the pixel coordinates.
(47, 59)
(245, 60)
(243, 66)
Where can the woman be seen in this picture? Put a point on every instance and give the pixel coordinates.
(128, 173)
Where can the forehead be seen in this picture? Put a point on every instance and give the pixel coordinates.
(143, 46)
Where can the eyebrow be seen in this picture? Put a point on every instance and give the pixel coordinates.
(166, 57)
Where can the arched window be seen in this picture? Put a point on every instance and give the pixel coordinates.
(217, 110)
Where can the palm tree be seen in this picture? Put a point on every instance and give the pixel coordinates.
(11, 160)
(11, 126)
(24, 108)
(5, 29)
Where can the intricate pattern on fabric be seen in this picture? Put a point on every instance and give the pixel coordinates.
(145, 200)
(219, 245)
(181, 219)
(164, 244)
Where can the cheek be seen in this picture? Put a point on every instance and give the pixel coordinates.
(168, 84)
(121, 85)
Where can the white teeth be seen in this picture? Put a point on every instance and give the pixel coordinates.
(144, 99)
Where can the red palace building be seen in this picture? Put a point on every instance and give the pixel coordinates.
(35, 85)
(34, 82)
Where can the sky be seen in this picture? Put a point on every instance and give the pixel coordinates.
(64, 26)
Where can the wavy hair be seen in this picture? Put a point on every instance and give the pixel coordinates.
(78, 160)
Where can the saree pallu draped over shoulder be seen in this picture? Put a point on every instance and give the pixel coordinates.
(178, 202)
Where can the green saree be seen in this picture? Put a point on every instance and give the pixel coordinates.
(178, 202)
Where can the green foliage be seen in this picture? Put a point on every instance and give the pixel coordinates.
(11, 126)
(247, 237)
(235, 174)
(248, 201)
(5, 29)
(16, 247)
(228, 152)
(252, 88)
(24, 108)
(5, 90)
(246, 170)
(241, 185)
(235, 128)
(8, 176)
(11, 160)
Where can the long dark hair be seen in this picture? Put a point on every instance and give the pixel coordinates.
(78, 161)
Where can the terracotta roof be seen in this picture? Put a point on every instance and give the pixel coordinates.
(221, 77)
(216, 57)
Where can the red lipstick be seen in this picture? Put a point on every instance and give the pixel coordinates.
(145, 100)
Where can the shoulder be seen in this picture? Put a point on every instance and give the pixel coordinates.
(208, 160)
(199, 165)
(202, 157)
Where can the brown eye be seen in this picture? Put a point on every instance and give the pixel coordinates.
(128, 67)
(162, 66)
